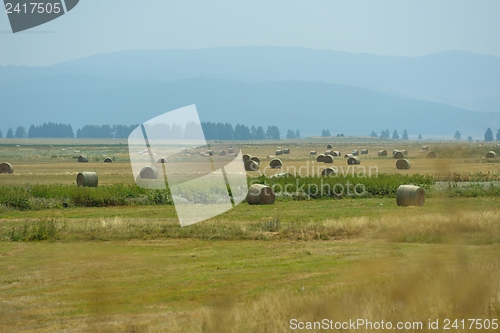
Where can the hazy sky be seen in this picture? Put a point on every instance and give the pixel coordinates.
(385, 27)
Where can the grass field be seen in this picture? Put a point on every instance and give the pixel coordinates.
(129, 267)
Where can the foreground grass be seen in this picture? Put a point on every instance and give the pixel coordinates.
(240, 286)
(441, 220)
(129, 267)
(252, 269)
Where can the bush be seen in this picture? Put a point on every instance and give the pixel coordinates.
(38, 231)
(51, 196)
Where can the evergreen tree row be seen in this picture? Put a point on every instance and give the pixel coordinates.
(293, 135)
(386, 135)
(48, 130)
(326, 133)
(105, 131)
(53, 130)
(488, 135)
(213, 131)
(220, 131)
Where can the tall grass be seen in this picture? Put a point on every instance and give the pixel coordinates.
(36, 197)
(463, 150)
(436, 286)
(33, 197)
(383, 185)
(457, 227)
(39, 231)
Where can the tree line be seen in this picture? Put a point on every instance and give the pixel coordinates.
(488, 136)
(53, 130)
(385, 134)
(220, 131)
(212, 131)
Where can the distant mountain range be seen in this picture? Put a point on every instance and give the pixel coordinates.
(293, 88)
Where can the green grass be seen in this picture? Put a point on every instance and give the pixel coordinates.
(193, 285)
(115, 259)
(439, 221)
(35, 197)
(58, 196)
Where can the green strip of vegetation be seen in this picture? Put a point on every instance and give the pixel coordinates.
(36, 197)
(39, 197)
(340, 186)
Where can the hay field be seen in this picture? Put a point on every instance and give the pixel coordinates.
(51, 161)
(132, 268)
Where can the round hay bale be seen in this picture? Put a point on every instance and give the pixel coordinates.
(364, 151)
(246, 157)
(162, 160)
(312, 152)
(320, 158)
(329, 146)
(108, 160)
(410, 195)
(425, 148)
(491, 154)
(328, 152)
(251, 165)
(403, 164)
(328, 159)
(328, 172)
(286, 151)
(353, 160)
(6, 168)
(348, 155)
(398, 155)
(279, 152)
(259, 194)
(222, 153)
(149, 172)
(230, 150)
(355, 152)
(83, 159)
(431, 154)
(275, 163)
(255, 159)
(404, 151)
(382, 153)
(336, 153)
(87, 179)
(209, 152)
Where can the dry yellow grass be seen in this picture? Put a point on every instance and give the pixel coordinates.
(34, 164)
(437, 284)
(387, 268)
(346, 260)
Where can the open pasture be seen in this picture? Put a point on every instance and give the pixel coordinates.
(52, 161)
(132, 268)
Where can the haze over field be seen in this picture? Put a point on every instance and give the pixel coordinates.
(344, 92)
(351, 67)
